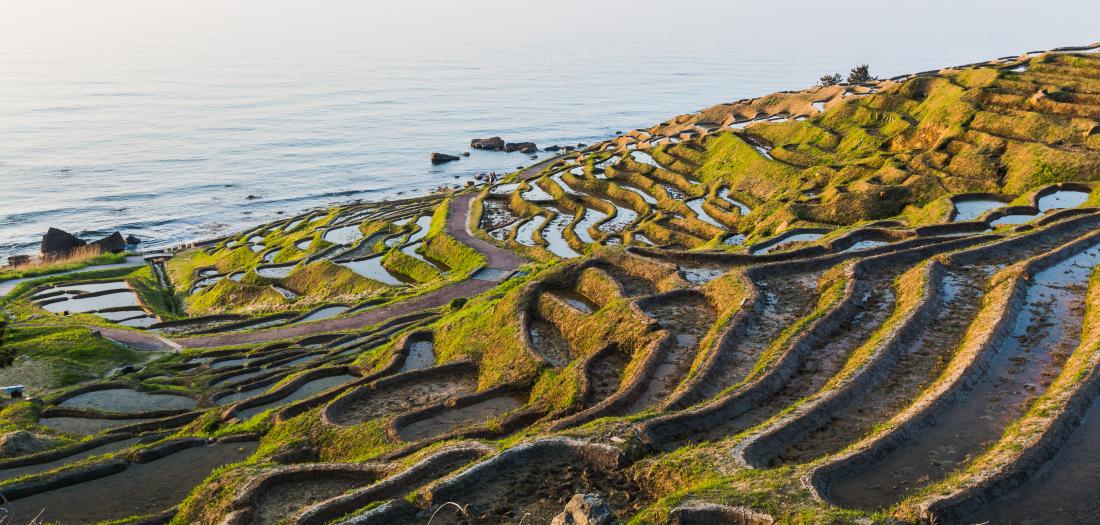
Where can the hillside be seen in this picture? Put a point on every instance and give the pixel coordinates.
(872, 303)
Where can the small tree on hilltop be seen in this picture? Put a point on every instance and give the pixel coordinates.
(829, 80)
(860, 74)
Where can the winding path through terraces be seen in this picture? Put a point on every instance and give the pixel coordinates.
(502, 261)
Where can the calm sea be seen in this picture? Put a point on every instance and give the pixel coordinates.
(175, 120)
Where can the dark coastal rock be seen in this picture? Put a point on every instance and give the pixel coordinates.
(523, 147)
(111, 243)
(19, 260)
(440, 158)
(130, 239)
(58, 243)
(491, 143)
(555, 147)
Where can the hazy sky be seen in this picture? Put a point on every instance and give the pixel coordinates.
(87, 28)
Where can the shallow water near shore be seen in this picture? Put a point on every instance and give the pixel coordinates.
(147, 124)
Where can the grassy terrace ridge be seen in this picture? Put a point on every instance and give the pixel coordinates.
(76, 261)
(848, 304)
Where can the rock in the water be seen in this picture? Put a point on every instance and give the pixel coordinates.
(440, 158)
(58, 243)
(111, 243)
(523, 147)
(130, 239)
(555, 147)
(585, 509)
(493, 143)
(21, 443)
(19, 260)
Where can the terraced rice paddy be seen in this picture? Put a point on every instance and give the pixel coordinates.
(452, 419)
(108, 447)
(111, 300)
(1061, 199)
(1018, 218)
(1044, 333)
(323, 313)
(344, 235)
(788, 240)
(309, 389)
(388, 398)
(421, 354)
(274, 272)
(119, 400)
(970, 209)
(118, 298)
(696, 206)
(891, 332)
(372, 269)
(525, 234)
(555, 240)
(86, 426)
(149, 488)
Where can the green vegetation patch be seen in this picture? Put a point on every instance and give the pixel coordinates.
(49, 357)
(64, 265)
